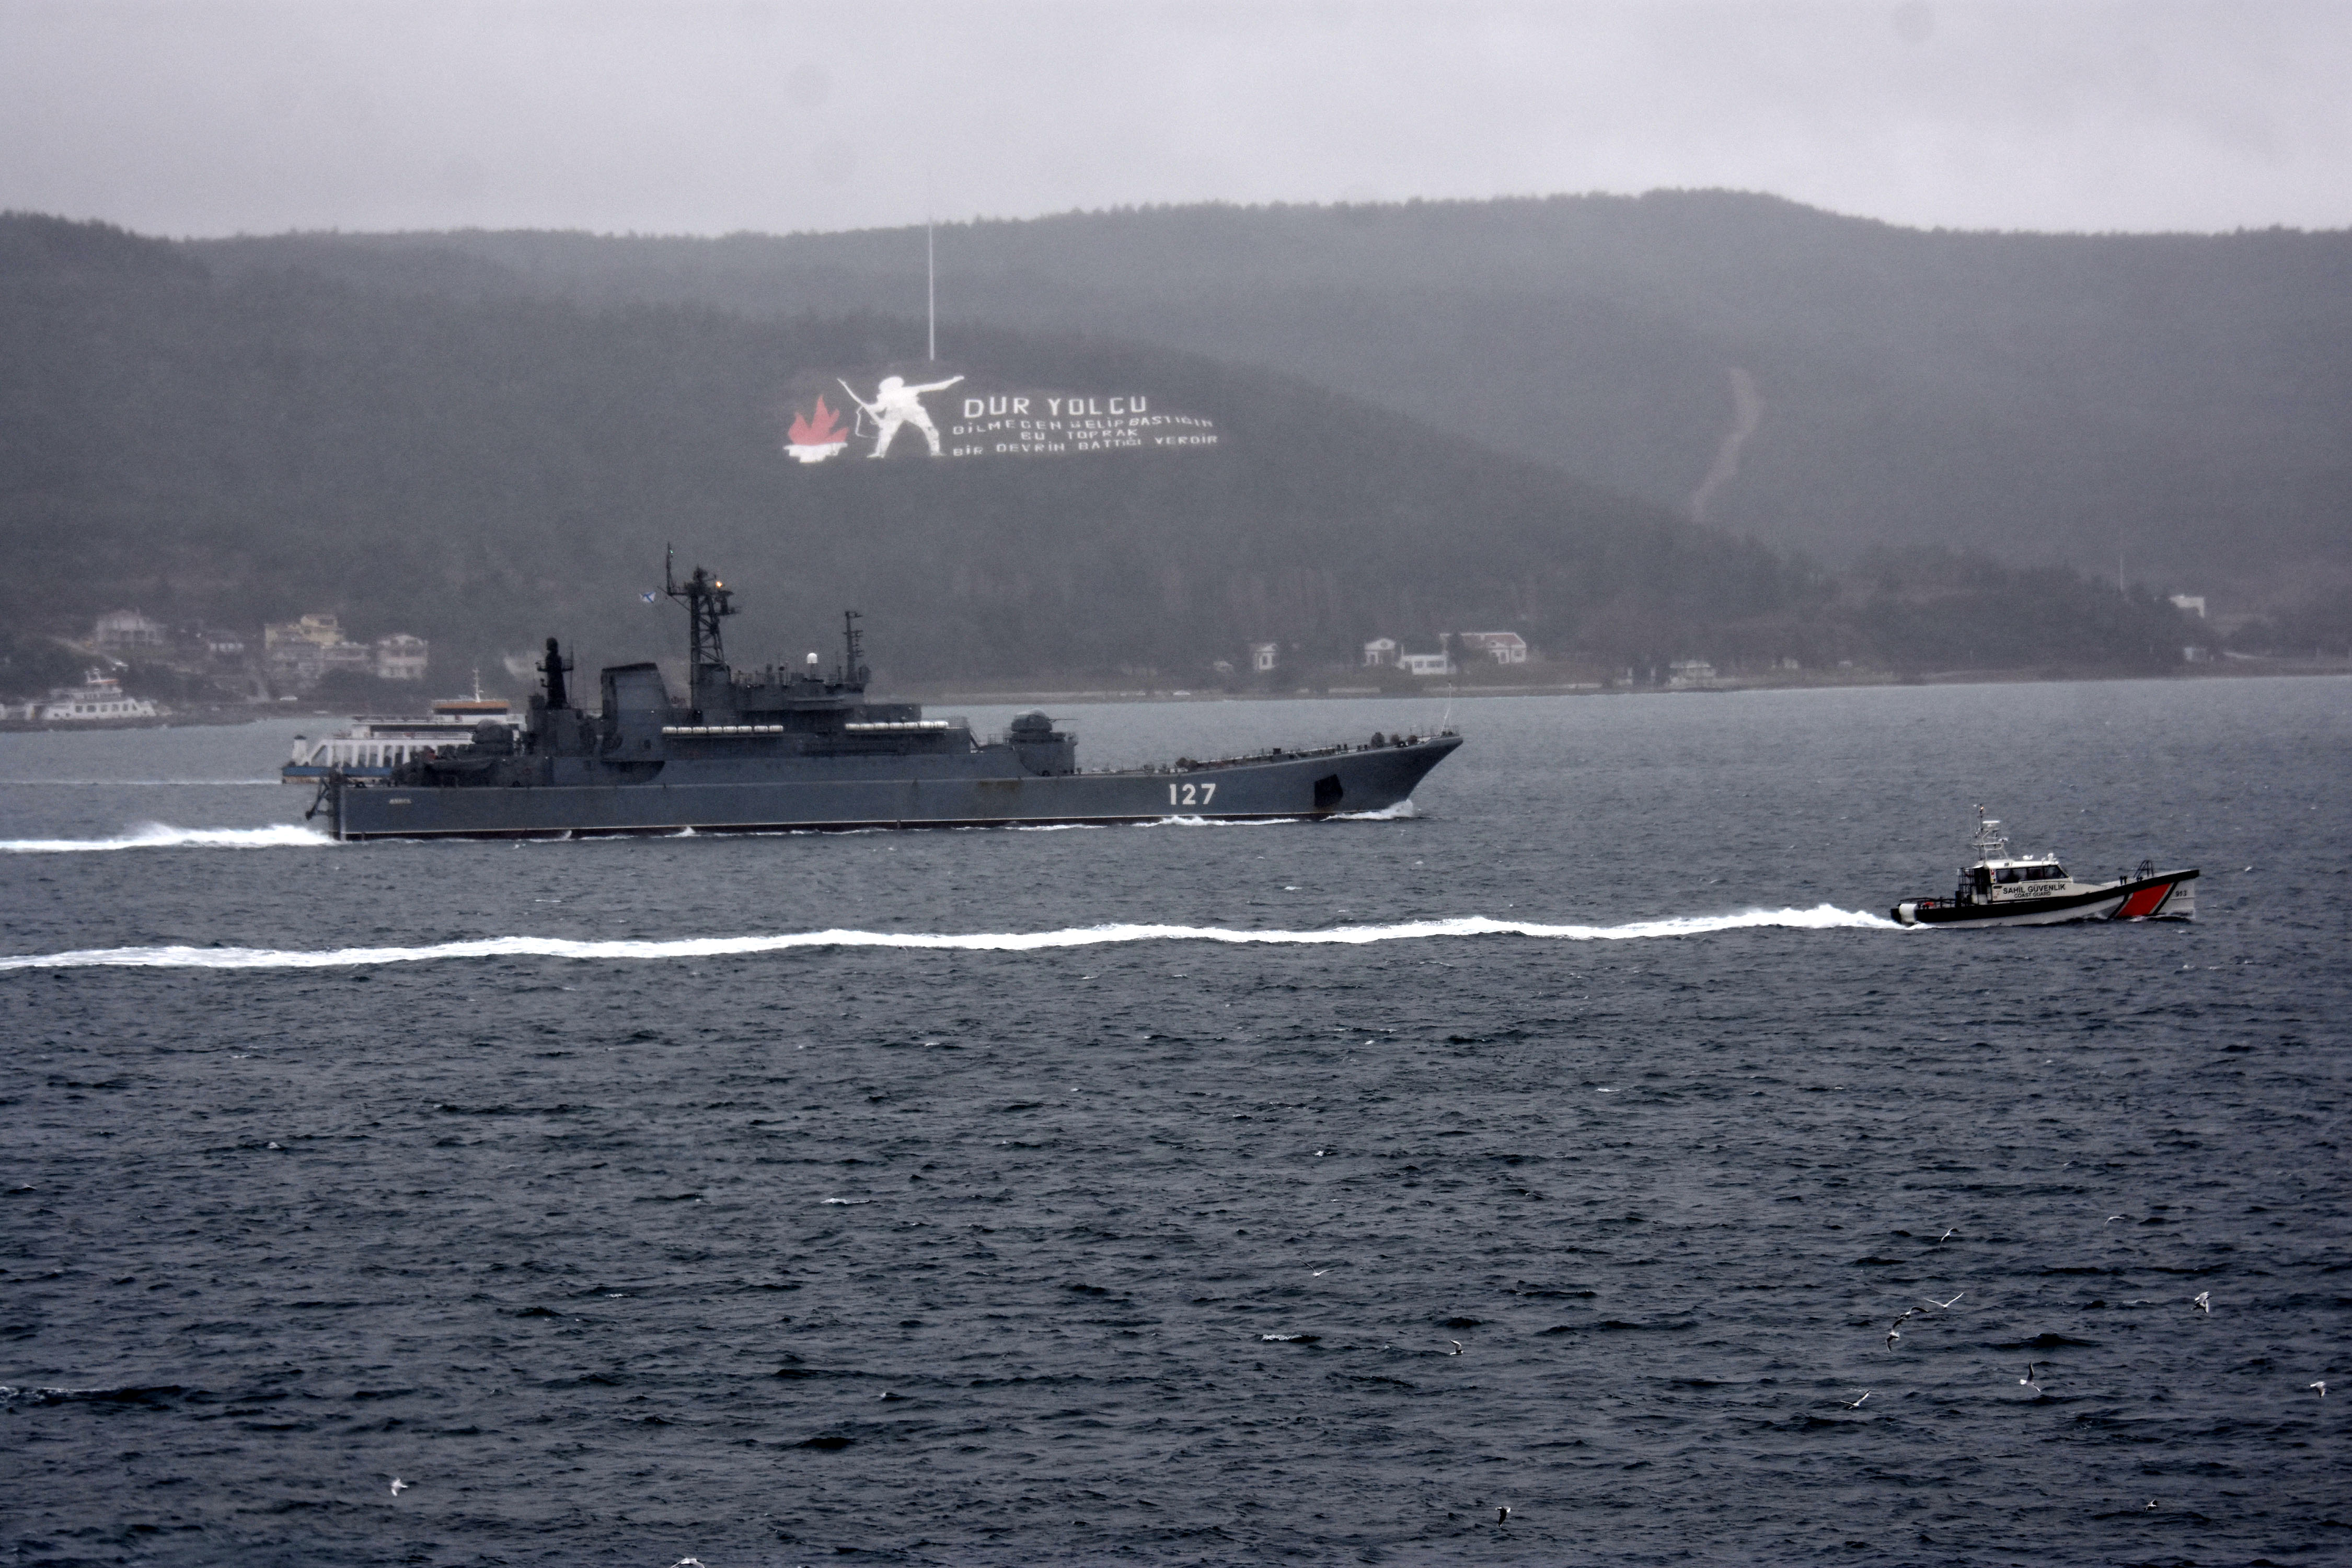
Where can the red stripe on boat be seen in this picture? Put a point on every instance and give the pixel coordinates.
(2144, 902)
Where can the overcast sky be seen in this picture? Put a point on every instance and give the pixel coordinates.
(208, 116)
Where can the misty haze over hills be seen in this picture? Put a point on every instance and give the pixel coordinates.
(1822, 382)
(485, 466)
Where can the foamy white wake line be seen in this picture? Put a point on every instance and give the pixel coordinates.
(136, 784)
(1823, 917)
(157, 836)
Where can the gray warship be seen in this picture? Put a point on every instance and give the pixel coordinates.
(781, 749)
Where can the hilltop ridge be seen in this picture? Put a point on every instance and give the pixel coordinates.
(246, 443)
(2176, 400)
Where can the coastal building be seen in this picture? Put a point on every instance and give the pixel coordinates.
(324, 630)
(129, 628)
(1689, 674)
(401, 656)
(1264, 656)
(301, 653)
(1425, 664)
(1502, 648)
(2190, 604)
(1381, 653)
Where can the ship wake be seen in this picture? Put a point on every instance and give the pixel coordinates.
(160, 836)
(1821, 918)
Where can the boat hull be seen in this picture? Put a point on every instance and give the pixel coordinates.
(1325, 784)
(2171, 895)
(316, 773)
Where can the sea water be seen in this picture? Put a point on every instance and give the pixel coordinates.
(1192, 1193)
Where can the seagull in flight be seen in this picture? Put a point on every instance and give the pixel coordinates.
(1949, 1233)
(1943, 1305)
(398, 1486)
(2204, 1303)
(1457, 1347)
(1502, 1512)
(2113, 1217)
(1855, 1403)
(2027, 1381)
(2321, 1387)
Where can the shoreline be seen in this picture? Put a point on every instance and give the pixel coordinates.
(1806, 680)
(1019, 696)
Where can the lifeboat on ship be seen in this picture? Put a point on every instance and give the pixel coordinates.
(2002, 889)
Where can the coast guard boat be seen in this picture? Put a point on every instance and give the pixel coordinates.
(783, 749)
(2034, 890)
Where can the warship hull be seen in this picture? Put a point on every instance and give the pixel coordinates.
(1333, 783)
(783, 751)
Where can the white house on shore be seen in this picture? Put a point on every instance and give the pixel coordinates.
(401, 656)
(1379, 653)
(1426, 663)
(129, 628)
(1689, 674)
(1264, 656)
(1502, 648)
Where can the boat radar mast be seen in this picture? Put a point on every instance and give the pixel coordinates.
(1990, 843)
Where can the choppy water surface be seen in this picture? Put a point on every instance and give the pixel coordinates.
(1183, 1194)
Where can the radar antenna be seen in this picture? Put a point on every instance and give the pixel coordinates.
(1990, 843)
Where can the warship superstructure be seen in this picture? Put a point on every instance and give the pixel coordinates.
(779, 749)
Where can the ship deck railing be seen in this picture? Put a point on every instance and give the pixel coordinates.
(1276, 755)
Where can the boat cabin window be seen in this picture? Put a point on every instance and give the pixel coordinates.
(2030, 874)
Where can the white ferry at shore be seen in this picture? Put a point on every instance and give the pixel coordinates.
(99, 700)
(375, 744)
(2035, 890)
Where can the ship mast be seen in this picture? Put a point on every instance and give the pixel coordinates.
(708, 602)
(853, 669)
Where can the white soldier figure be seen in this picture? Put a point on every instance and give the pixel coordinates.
(896, 404)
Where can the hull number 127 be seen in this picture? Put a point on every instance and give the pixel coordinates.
(1191, 794)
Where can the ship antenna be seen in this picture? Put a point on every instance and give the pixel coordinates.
(853, 641)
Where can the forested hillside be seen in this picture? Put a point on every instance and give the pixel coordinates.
(251, 443)
(1828, 384)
